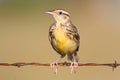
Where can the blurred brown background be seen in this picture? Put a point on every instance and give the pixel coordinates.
(24, 38)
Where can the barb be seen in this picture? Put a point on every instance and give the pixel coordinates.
(20, 64)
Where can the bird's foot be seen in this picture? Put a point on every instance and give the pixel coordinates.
(54, 66)
(73, 66)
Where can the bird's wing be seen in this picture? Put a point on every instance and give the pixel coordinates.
(72, 33)
(51, 29)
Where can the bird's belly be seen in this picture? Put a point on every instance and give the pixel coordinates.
(63, 43)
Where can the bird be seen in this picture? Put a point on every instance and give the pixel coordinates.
(64, 38)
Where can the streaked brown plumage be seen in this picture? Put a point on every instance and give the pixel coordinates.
(63, 36)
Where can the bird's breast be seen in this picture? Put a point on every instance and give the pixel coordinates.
(60, 37)
(62, 41)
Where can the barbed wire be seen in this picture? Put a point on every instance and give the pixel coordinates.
(20, 64)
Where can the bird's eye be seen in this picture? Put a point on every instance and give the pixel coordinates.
(60, 12)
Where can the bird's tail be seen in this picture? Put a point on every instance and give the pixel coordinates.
(70, 57)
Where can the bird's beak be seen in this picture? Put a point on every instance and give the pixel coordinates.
(49, 12)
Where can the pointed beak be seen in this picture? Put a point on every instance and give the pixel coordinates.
(49, 12)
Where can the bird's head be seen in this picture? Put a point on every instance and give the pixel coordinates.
(60, 16)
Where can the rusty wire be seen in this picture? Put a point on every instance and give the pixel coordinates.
(20, 64)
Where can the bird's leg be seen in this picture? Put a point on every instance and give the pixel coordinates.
(74, 64)
(54, 65)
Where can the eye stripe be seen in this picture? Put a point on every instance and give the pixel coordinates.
(66, 14)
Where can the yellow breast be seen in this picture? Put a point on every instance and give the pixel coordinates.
(60, 37)
(62, 42)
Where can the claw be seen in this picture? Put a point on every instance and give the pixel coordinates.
(73, 66)
(54, 66)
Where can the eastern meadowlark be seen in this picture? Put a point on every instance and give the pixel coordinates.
(64, 38)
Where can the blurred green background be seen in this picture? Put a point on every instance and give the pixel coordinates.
(24, 38)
